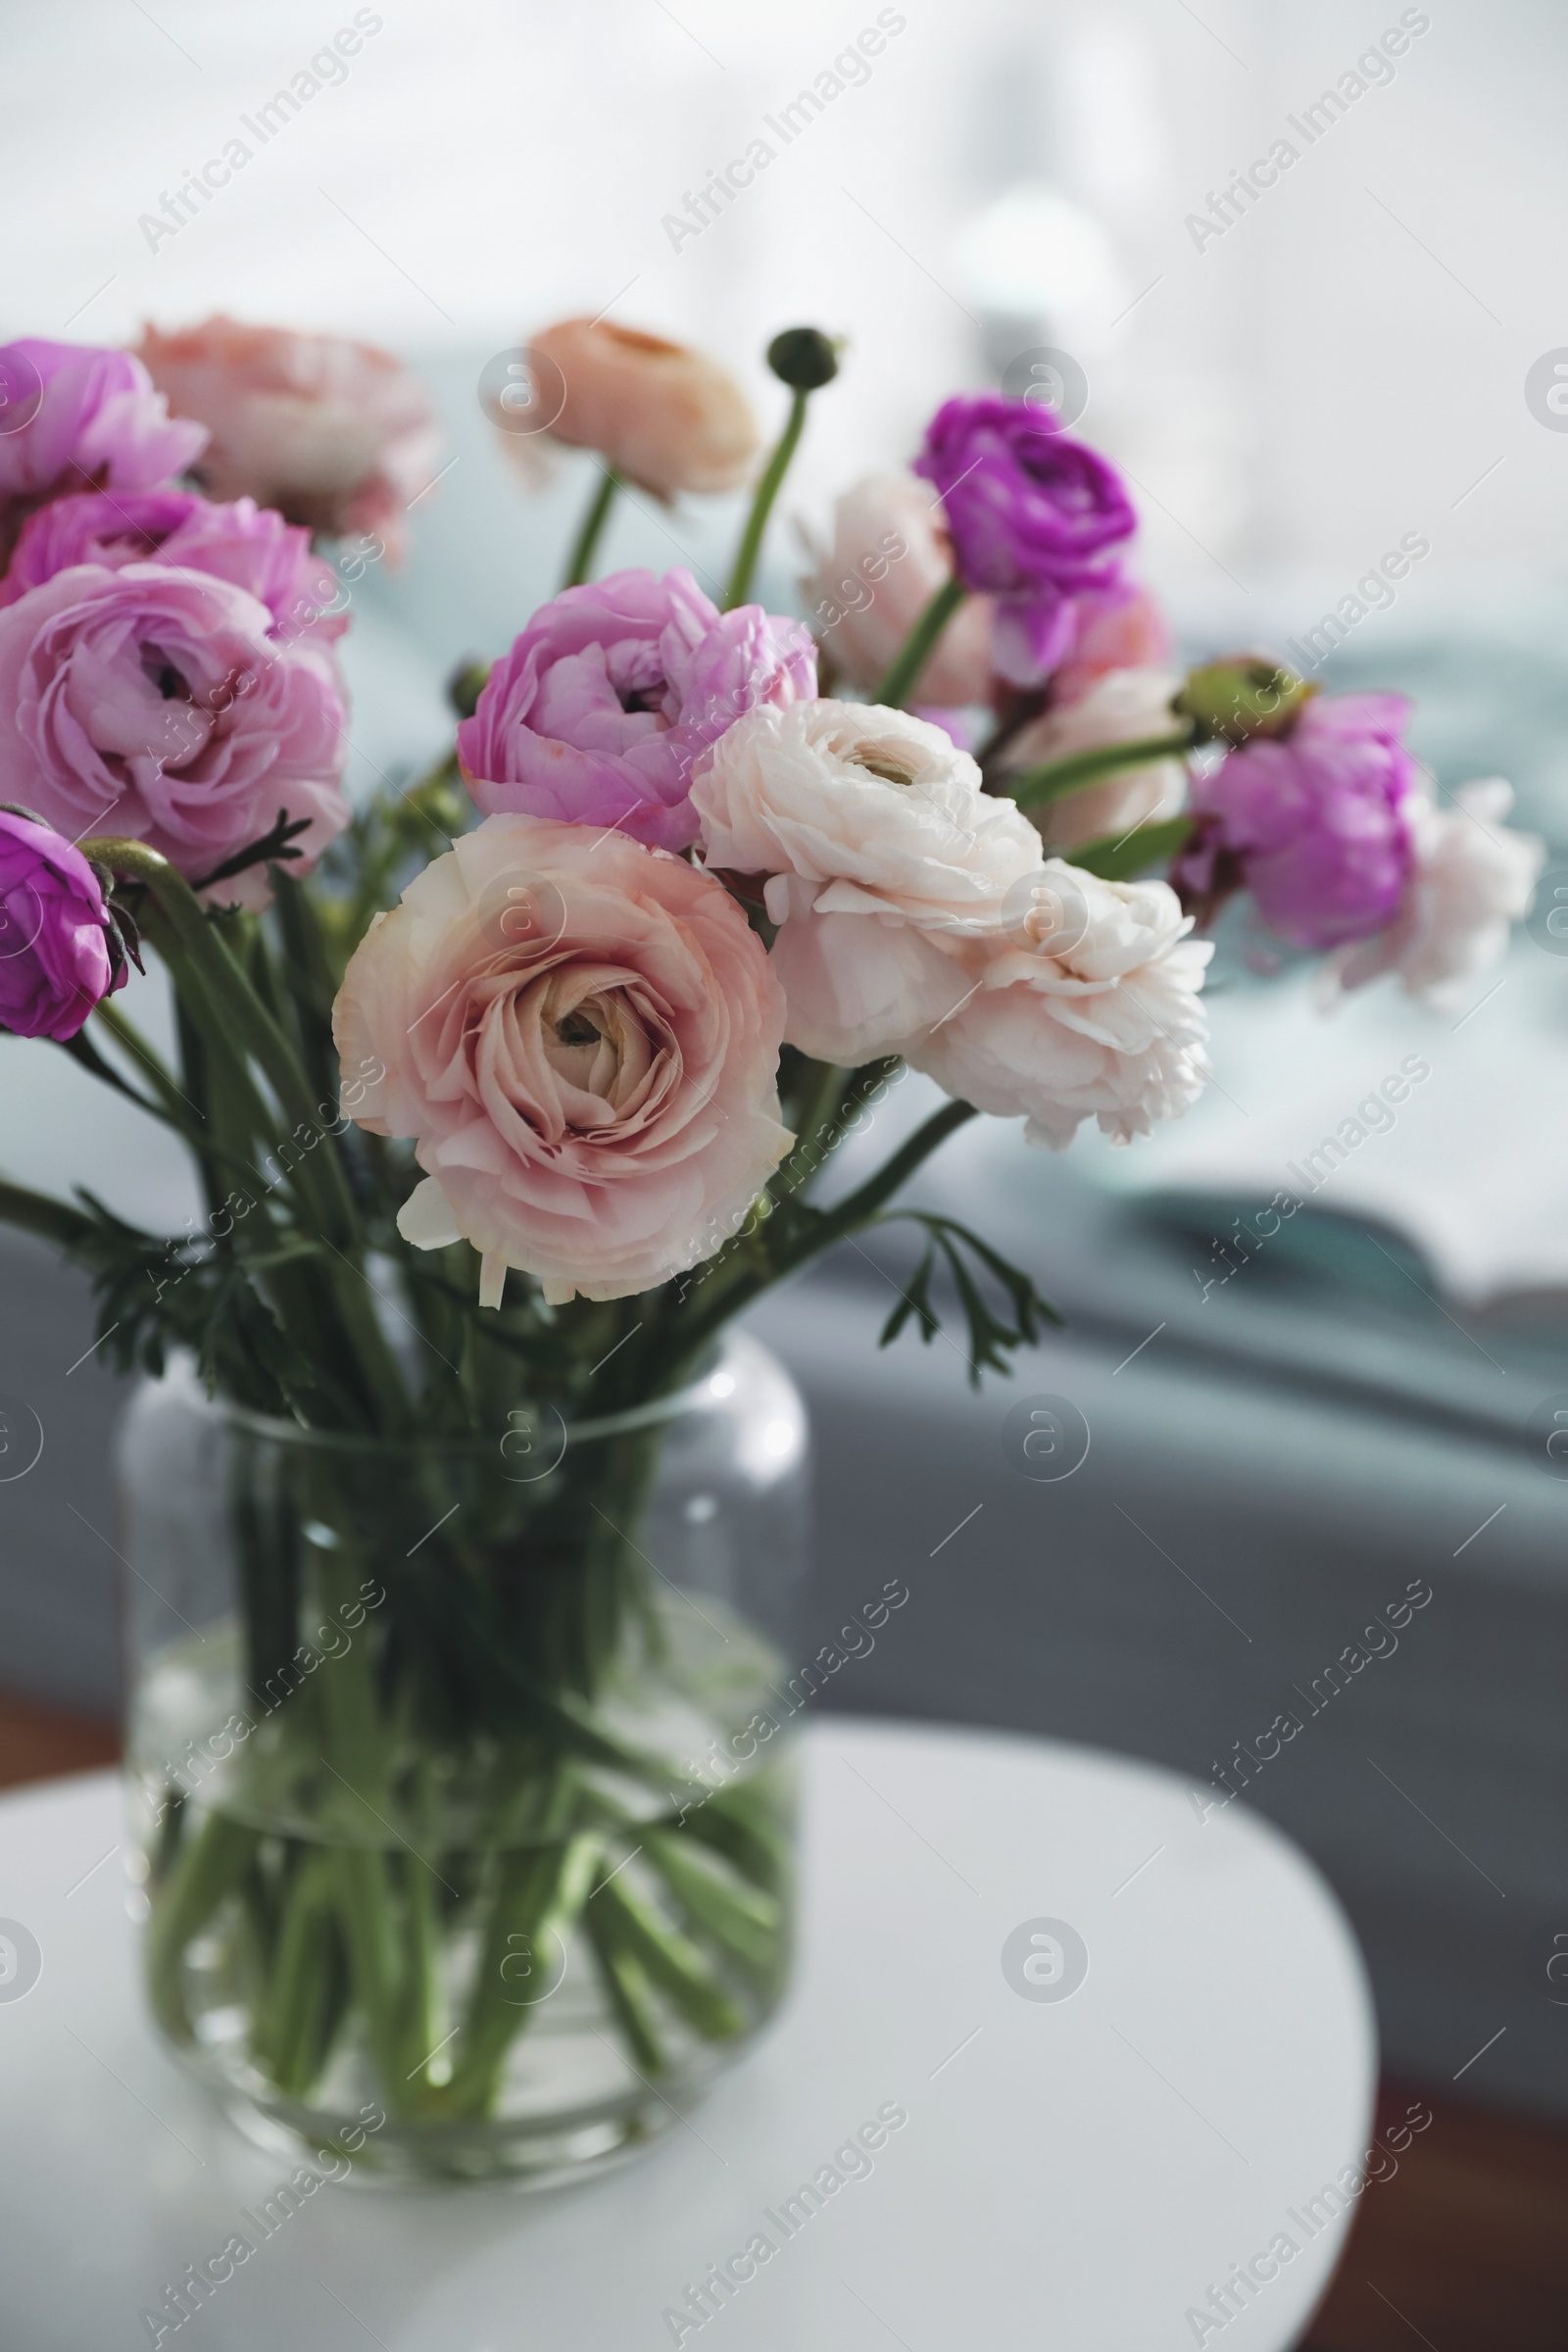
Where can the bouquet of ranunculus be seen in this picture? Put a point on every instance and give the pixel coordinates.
(508, 1092)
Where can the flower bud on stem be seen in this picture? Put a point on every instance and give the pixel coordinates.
(806, 360)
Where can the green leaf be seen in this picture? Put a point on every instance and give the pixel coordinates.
(993, 1330)
(1119, 859)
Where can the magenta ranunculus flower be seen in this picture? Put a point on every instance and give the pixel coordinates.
(597, 713)
(76, 418)
(55, 957)
(160, 704)
(1317, 824)
(249, 545)
(1036, 520)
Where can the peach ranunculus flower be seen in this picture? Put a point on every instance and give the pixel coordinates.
(1123, 705)
(337, 435)
(1090, 1008)
(666, 417)
(581, 1037)
(888, 556)
(880, 853)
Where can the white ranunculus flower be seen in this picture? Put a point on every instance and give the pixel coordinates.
(1473, 876)
(881, 855)
(1125, 706)
(1102, 1018)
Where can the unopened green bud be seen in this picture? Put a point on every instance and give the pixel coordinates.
(803, 358)
(1245, 695)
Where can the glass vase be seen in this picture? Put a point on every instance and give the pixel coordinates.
(460, 1771)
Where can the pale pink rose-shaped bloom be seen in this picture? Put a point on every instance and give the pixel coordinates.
(1109, 1027)
(879, 850)
(337, 435)
(888, 556)
(79, 418)
(598, 709)
(249, 545)
(666, 417)
(1122, 706)
(156, 704)
(1116, 628)
(1472, 877)
(581, 1039)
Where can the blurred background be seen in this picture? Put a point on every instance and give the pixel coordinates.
(1282, 1441)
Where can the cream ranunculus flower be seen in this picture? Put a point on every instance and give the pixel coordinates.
(1472, 877)
(880, 853)
(1091, 1012)
(581, 1037)
(1125, 706)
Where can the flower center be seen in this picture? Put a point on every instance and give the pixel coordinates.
(159, 671)
(886, 764)
(577, 1030)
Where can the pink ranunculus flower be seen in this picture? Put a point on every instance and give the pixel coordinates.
(335, 434)
(1471, 878)
(76, 418)
(1314, 823)
(888, 556)
(55, 959)
(581, 1037)
(1121, 705)
(249, 545)
(1098, 1016)
(879, 851)
(598, 711)
(159, 705)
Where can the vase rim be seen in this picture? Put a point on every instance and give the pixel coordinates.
(717, 1383)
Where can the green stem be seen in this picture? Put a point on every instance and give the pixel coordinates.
(918, 647)
(669, 1960)
(593, 523)
(419, 2014)
(207, 1867)
(356, 1745)
(625, 1982)
(540, 1892)
(744, 1920)
(290, 2027)
(767, 490)
(1031, 787)
(816, 1116)
(233, 1016)
(81, 1050)
(51, 1220)
(825, 1229)
(1118, 859)
(128, 1038)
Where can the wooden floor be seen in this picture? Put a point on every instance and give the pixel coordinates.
(1464, 2248)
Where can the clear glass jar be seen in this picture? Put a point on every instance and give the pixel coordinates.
(462, 1772)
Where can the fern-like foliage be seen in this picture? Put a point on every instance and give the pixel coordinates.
(973, 1266)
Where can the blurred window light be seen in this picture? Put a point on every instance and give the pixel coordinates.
(1032, 255)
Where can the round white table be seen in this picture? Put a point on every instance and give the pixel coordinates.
(1131, 2044)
